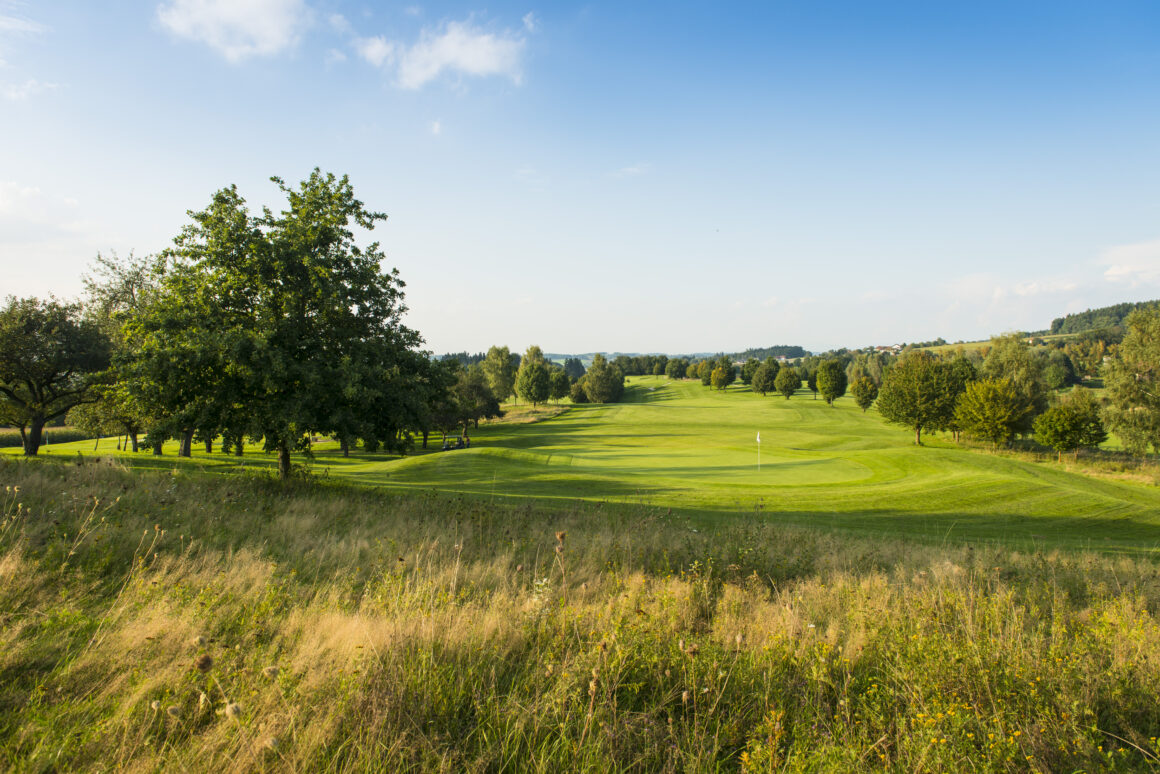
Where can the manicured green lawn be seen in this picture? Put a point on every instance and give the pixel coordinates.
(680, 445)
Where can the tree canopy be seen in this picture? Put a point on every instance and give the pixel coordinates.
(50, 360)
(277, 326)
(1132, 378)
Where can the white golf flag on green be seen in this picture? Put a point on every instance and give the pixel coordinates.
(759, 436)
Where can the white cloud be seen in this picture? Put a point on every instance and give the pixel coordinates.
(634, 170)
(237, 29)
(339, 23)
(460, 48)
(16, 92)
(1135, 264)
(436, 127)
(530, 22)
(18, 25)
(376, 51)
(334, 56)
(1041, 287)
(12, 26)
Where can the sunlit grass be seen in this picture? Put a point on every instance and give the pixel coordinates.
(233, 623)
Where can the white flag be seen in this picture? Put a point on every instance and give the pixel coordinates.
(759, 436)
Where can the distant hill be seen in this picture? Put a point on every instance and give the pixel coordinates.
(780, 350)
(1095, 319)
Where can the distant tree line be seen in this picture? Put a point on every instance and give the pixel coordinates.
(778, 351)
(1113, 316)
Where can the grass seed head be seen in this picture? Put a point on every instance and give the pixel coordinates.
(560, 536)
(155, 705)
(233, 710)
(270, 672)
(198, 641)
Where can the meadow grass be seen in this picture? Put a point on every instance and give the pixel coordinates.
(182, 621)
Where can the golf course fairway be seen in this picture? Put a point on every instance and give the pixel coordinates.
(679, 445)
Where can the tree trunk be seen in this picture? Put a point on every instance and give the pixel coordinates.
(32, 442)
(157, 448)
(209, 446)
(344, 446)
(97, 442)
(918, 436)
(186, 447)
(133, 441)
(283, 461)
(239, 447)
(425, 434)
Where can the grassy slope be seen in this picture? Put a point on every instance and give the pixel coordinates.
(355, 630)
(677, 444)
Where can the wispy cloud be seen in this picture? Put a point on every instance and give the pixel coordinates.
(1135, 264)
(436, 128)
(237, 29)
(377, 51)
(531, 23)
(634, 170)
(22, 91)
(463, 49)
(13, 26)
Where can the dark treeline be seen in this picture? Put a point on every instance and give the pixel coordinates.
(1094, 319)
(791, 352)
(464, 359)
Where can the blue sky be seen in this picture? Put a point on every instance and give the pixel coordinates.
(617, 176)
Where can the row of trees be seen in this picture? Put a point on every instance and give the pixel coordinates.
(1004, 390)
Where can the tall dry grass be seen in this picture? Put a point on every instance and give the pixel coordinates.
(223, 624)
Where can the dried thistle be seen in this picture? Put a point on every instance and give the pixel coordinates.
(560, 536)
(198, 641)
(155, 705)
(270, 672)
(203, 663)
(233, 710)
(173, 711)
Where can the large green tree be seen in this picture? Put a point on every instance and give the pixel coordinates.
(559, 384)
(765, 377)
(787, 381)
(1011, 358)
(500, 369)
(278, 326)
(50, 361)
(1072, 425)
(991, 410)
(604, 383)
(864, 391)
(533, 380)
(918, 392)
(1132, 378)
(832, 380)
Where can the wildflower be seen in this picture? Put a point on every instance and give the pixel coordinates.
(519, 568)
(233, 710)
(203, 663)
